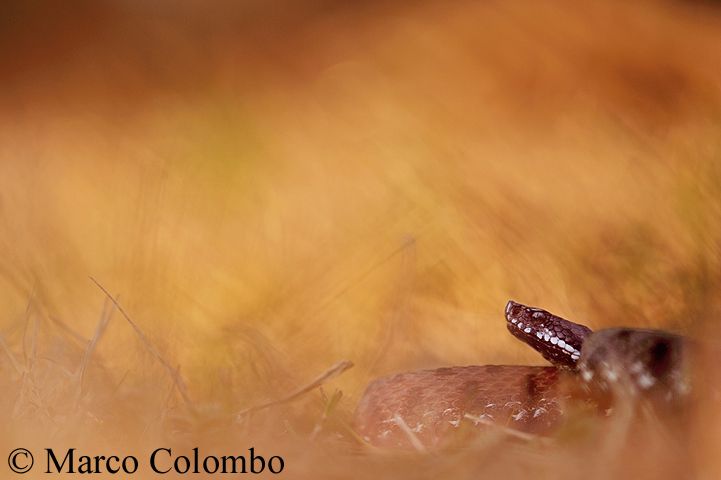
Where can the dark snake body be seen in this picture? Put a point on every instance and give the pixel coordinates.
(423, 408)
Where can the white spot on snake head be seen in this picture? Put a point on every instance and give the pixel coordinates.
(527, 330)
(562, 344)
(569, 348)
(513, 320)
(518, 416)
(645, 381)
(537, 314)
(637, 367)
(546, 337)
(575, 356)
(554, 340)
(520, 324)
(540, 335)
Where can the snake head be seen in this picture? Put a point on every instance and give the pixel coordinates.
(557, 339)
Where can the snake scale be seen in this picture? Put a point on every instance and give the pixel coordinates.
(422, 408)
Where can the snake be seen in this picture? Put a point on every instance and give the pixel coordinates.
(422, 409)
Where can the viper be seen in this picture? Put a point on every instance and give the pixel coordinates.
(423, 408)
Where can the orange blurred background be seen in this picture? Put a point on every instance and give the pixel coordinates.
(272, 189)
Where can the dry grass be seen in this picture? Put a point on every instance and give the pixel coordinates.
(271, 191)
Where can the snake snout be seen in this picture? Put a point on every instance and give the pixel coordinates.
(514, 310)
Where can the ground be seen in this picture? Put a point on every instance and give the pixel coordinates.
(268, 191)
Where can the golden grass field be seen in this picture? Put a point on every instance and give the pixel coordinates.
(270, 190)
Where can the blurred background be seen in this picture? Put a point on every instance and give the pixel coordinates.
(270, 188)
